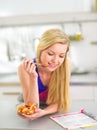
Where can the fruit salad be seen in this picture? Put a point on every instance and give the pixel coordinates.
(27, 109)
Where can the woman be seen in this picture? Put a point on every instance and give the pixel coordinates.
(49, 84)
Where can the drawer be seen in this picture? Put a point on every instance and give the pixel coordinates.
(10, 93)
(95, 90)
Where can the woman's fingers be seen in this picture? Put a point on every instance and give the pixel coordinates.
(25, 62)
(29, 65)
(31, 117)
(22, 116)
(32, 69)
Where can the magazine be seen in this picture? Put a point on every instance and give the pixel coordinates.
(73, 120)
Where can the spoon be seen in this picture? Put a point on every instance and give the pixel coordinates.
(42, 65)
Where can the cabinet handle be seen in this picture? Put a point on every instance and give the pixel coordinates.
(11, 93)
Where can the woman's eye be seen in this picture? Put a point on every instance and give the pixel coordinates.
(61, 56)
(50, 54)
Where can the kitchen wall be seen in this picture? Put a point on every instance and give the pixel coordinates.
(22, 7)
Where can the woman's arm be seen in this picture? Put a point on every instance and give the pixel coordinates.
(52, 108)
(28, 79)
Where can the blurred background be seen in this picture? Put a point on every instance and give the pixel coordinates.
(22, 22)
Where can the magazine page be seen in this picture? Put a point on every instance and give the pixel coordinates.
(75, 120)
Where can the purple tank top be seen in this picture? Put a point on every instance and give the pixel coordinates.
(41, 87)
(43, 90)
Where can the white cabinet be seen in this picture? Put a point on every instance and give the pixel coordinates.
(84, 87)
(95, 89)
(9, 92)
(82, 92)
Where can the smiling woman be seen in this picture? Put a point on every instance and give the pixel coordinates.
(49, 85)
(54, 55)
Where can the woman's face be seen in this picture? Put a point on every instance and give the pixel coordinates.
(54, 56)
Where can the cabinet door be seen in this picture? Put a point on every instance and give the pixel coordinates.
(82, 92)
(95, 90)
(10, 93)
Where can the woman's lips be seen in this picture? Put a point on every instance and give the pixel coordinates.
(52, 66)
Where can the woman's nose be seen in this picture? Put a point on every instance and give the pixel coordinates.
(55, 59)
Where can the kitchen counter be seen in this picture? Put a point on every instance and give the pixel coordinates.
(9, 120)
(84, 79)
(80, 79)
(9, 80)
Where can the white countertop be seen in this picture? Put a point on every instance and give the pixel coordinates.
(84, 79)
(9, 120)
(9, 80)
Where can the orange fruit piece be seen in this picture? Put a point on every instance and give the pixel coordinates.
(27, 109)
(45, 65)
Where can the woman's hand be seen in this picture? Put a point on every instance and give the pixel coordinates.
(38, 113)
(53, 108)
(30, 67)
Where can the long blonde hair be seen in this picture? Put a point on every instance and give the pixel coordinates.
(58, 90)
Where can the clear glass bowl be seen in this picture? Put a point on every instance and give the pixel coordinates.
(26, 109)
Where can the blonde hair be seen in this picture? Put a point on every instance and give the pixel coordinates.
(58, 90)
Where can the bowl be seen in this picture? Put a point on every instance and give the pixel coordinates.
(27, 109)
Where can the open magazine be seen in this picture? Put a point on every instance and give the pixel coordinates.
(80, 119)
